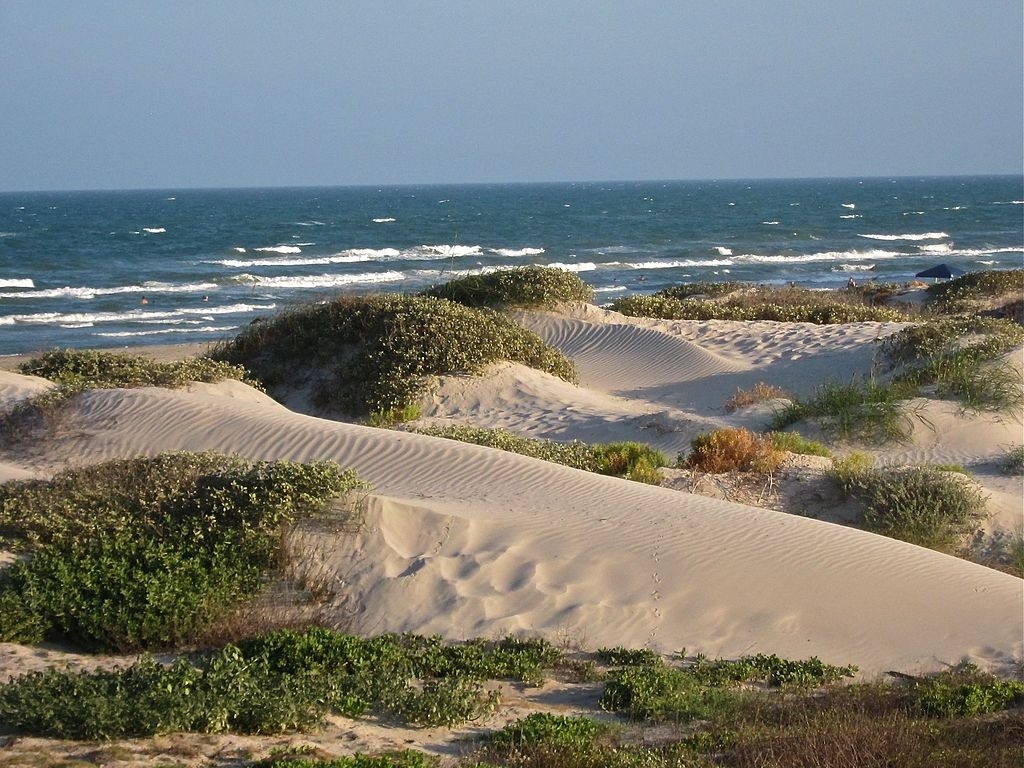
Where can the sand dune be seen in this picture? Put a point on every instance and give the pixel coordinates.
(465, 541)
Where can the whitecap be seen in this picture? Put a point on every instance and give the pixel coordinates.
(451, 251)
(913, 213)
(851, 206)
(583, 266)
(204, 329)
(383, 220)
(319, 281)
(280, 249)
(154, 230)
(769, 222)
(18, 282)
(851, 216)
(238, 249)
(908, 236)
(936, 248)
(721, 250)
(514, 253)
(89, 292)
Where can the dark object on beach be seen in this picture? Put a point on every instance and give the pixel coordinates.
(944, 271)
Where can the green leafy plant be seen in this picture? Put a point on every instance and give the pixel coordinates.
(630, 460)
(377, 354)
(530, 286)
(146, 553)
(758, 303)
(794, 442)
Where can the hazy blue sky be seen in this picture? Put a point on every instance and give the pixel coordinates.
(140, 93)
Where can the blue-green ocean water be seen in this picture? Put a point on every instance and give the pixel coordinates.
(75, 266)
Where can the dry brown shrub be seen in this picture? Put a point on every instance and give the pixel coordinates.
(728, 450)
(758, 394)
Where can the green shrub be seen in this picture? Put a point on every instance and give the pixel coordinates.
(916, 504)
(146, 553)
(630, 460)
(987, 283)
(75, 370)
(544, 728)
(403, 759)
(376, 354)
(710, 290)
(281, 682)
(530, 286)
(627, 657)
(572, 454)
(1013, 461)
(792, 305)
(633, 461)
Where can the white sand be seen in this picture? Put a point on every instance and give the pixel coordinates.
(467, 541)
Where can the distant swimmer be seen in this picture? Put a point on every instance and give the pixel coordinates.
(206, 298)
(143, 300)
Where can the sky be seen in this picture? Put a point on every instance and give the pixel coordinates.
(96, 94)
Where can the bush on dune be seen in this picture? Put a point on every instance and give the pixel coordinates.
(629, 460)
(524, 287)
(790, 304)
(376, 354)
(147, 553)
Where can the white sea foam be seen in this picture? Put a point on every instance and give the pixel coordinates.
(610, 289)
(136, 315)
(936, 248)
(913, 213)
(88, 292)
(17, 283)
(513, 253)
(352, 256)
(451, 251)
(319, 281)
(313, 223)
(673, 264)
(804, 258)
(908, 236)
(154, 230)
(238, 249)
(851, 206)
(280, 249)
(851, 216)
(721, 250)
(769, 222)
(853, 267)
(383, 220)
(583, 266)
(191, 329)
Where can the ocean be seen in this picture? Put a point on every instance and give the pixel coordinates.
(119, 269)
